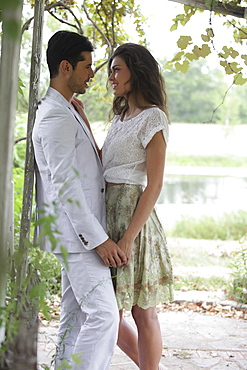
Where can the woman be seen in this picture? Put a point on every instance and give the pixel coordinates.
(133, 158)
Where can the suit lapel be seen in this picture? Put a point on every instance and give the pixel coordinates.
(58, 98)
(84, 127)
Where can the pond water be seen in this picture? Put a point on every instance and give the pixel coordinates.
(203, 190)
(196, 196)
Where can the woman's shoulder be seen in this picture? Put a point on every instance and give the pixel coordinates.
(154, 113)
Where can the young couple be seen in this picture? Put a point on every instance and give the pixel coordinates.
(103, 202)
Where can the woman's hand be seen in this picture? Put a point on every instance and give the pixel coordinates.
(126, 247)
(79, 107)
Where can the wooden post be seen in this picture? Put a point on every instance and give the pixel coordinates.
(21, 353)
(10, 51)
(29, 164)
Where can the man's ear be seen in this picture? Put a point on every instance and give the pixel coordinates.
(65, 67)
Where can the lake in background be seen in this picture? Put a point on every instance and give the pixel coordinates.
(196, 191)
(198, 195)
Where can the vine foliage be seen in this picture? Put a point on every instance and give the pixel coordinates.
(231, 59)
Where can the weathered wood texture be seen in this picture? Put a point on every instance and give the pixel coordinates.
(225, 9)
(10, 51)
(29, 164)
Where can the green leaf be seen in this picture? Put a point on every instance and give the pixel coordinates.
(76, 358)
(205, 38)
(239, 80)
(210, 32)
(208, 36)
(174, 27)
(187, 8)
(168, 65)
(182, 67)
(223, 63)
(235, 67)
(20, 86)
(229, 52)
(190, 56)
(231, 68)
(244, 57)
(64, 252)
(178, 56)
(38, 290)
(234, 53)
(183, 42)
(201, 52)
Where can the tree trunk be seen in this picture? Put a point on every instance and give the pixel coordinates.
(10, 50)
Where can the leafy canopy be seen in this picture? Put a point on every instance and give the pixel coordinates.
(101, 21)
(233, 62)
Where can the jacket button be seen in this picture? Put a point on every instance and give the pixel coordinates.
(102, 190)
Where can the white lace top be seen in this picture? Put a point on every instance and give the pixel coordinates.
(123, 152)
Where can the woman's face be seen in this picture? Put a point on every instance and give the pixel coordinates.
(120, 77)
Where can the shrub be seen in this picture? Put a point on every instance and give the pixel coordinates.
(238, 289)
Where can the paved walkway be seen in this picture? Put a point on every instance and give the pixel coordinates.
(191, 340)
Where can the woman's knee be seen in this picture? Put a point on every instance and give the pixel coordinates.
(142, 316)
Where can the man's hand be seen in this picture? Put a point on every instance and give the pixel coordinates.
(111, 254)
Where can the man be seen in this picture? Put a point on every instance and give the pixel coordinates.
(70, 187)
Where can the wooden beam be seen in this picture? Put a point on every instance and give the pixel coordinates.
(29, 163)
(10, 46)
(224, 9)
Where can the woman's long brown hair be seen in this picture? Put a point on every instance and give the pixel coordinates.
(147, 83)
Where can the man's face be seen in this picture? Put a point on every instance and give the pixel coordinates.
(78, 81)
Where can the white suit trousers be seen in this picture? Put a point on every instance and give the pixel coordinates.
(89, 314)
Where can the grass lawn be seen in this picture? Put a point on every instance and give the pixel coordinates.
(201, 264)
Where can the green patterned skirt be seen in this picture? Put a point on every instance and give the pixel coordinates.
(148, 279)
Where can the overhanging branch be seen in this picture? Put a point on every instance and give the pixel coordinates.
(225, 9)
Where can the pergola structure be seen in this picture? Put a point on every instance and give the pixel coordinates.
(8, 96)
(233, 9)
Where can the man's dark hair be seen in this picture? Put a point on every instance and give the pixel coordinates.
(66, 45)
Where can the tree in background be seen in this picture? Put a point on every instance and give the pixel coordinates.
(194, 96)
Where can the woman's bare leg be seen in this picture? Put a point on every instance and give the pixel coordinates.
(127, 339)
(149, 337)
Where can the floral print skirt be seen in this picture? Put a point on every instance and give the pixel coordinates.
(148, 279)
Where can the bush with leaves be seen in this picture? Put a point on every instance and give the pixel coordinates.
(238, 290)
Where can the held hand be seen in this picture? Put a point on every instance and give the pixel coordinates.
(111, 254)
(79, 107)
(126, 247)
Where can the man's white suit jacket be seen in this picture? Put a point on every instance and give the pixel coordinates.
(69, 178)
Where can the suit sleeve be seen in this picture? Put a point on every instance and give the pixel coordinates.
(57, 132)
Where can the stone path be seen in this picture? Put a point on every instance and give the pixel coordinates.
(191, 341)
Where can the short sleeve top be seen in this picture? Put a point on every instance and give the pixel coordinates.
(124, 149)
